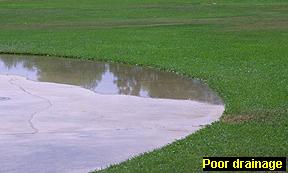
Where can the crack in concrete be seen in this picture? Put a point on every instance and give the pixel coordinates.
(32, 116)
(84, 131)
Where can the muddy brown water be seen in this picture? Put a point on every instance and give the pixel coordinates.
(108, 78)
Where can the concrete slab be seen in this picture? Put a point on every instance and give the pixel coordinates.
(48, 127)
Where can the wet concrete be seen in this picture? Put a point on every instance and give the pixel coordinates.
(49, 127)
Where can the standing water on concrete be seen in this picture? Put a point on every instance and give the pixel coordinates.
(105, 78)
(85, 115)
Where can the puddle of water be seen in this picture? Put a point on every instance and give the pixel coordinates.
(107, 78)
(50, 123)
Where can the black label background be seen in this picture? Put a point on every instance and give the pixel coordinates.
(232, 159)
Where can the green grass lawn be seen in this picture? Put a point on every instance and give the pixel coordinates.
(239, 47)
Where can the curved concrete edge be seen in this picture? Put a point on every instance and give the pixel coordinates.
(61, 128)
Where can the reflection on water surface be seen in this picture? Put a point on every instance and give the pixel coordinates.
(107, 78)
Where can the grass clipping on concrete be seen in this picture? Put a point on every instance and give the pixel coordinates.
(240, 48)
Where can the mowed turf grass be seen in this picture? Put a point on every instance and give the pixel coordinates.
(239, 47)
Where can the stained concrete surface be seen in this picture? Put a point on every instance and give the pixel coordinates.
(47, 127)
